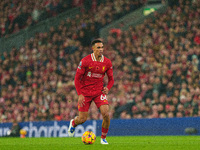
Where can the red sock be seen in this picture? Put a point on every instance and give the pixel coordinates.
(104, 133)
(73, 123)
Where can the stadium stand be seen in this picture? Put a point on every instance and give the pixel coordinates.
(159, 66)
(36, 80)
(156, 68)
(16, 15)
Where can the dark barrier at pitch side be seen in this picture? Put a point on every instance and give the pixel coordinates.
(131, 127)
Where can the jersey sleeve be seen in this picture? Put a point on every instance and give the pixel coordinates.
(110, 75)
(79, 74)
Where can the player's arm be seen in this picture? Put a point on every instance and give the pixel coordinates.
(77, 81)
(110, 79)
(79, 74)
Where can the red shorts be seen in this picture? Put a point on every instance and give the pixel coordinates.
(98, 100)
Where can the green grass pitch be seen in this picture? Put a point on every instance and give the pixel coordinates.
(115, 143)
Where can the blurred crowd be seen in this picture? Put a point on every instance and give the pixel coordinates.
(156, 66)
(16, 14)
(37, 79)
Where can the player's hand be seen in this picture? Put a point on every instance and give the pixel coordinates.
(105, 90)
(81, 100)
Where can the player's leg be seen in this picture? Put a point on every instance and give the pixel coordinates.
(81, 118)
(105, 124)
(102, 103)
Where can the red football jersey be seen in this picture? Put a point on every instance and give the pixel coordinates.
(90, 74)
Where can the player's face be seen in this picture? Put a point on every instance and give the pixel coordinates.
(98, 49)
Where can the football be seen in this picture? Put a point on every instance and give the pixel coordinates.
(88, 137)
(23, 132)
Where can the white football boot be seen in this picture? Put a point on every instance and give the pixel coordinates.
(103, 141)
(71, 129)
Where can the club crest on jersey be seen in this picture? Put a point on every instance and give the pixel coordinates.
(103, 68)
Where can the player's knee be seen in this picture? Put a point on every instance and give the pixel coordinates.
(105, 115)
(83, 119)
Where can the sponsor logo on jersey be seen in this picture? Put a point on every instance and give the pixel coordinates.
(89, 74)
(95, 75)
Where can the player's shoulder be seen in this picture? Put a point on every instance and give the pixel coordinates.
(107, 60)
(87, 58)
